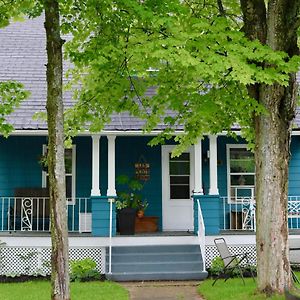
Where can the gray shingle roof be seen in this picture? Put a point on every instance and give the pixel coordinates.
(23, 58)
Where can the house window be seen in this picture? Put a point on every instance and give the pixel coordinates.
(70, 167)
(180, 176)
(240, 173)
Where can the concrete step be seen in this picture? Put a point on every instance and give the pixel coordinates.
(199, 275)
(156, 257)
(155, 248)
(173, 266)
(157, 262)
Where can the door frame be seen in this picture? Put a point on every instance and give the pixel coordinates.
(165, 150)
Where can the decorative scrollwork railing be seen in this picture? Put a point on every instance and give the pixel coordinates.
(33, 214)
(241, 213)
(26, 214)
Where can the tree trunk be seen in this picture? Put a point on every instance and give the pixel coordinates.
(278, 29)
(59, 233)
(272, 158)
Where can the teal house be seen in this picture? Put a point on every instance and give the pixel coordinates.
(209, 190)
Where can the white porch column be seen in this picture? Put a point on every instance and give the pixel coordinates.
(198, 190)
(95, 165)
(213, 166)
(111, 191)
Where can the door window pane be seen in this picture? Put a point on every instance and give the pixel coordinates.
(180, 191)
(179, 168)
(179, 179)
(68, 161)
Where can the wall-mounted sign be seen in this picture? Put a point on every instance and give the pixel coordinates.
(142, 169)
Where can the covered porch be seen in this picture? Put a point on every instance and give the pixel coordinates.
(216, 174)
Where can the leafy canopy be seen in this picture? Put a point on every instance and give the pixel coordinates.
(196, 56)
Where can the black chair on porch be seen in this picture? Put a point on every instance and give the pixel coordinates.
(232, 262)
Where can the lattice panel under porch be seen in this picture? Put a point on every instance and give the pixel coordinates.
(211, 252)
(36, 260)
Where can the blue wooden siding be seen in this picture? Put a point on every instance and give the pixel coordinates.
(100, 216)
(19, 165)
(83, 166)
(214, 209)
(210, 207)
(294, 169)
(130, 150)
(19, 168)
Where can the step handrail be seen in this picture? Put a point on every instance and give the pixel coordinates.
(111, 200)
(201, 233)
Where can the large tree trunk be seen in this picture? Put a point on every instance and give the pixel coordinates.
(278, 29)
(272, 158)
(59, 232)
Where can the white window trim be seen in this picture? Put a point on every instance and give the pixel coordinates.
(228, 147)
(72, 200)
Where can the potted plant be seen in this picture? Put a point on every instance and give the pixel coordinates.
(142, 206)
(43, 161)
(127, 203)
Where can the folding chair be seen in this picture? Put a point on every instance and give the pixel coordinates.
(289, 296)
(231, 262)
(294, 256)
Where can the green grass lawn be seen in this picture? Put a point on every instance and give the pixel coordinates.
(233, 289)
(40, 290)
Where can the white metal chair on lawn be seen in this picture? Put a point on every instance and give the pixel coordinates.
(231, 262)
(294, 247)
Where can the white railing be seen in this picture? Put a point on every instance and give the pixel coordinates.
(33, 214)
(201, 233)
(240, 214)
(111, 200)
(294, 212)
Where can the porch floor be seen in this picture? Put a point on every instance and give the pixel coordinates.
(161, 233)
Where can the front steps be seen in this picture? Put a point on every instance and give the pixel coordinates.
(159, 262)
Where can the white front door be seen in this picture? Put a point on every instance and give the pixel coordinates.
(177, 186)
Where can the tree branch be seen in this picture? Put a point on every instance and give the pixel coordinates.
(221, 8)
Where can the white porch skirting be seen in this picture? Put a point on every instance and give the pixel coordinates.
(33, 257)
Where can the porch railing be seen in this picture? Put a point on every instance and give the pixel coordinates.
(241, 213)
(33, 214)
(201, 233)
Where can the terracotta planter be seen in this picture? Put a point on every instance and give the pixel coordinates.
(140, 213)
(146, 224)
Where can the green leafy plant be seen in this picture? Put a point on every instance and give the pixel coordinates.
(43, 160)
(84, 270)
(142, 205)
(129, 196)
(217, 266)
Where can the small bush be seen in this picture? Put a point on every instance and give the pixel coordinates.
(84, 270)
(217, 266)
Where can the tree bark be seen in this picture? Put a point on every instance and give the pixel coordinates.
(59, 233)
(278, 30)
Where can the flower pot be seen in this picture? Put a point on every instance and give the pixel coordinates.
(45, 168)
(126, 220)
(140, 214)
